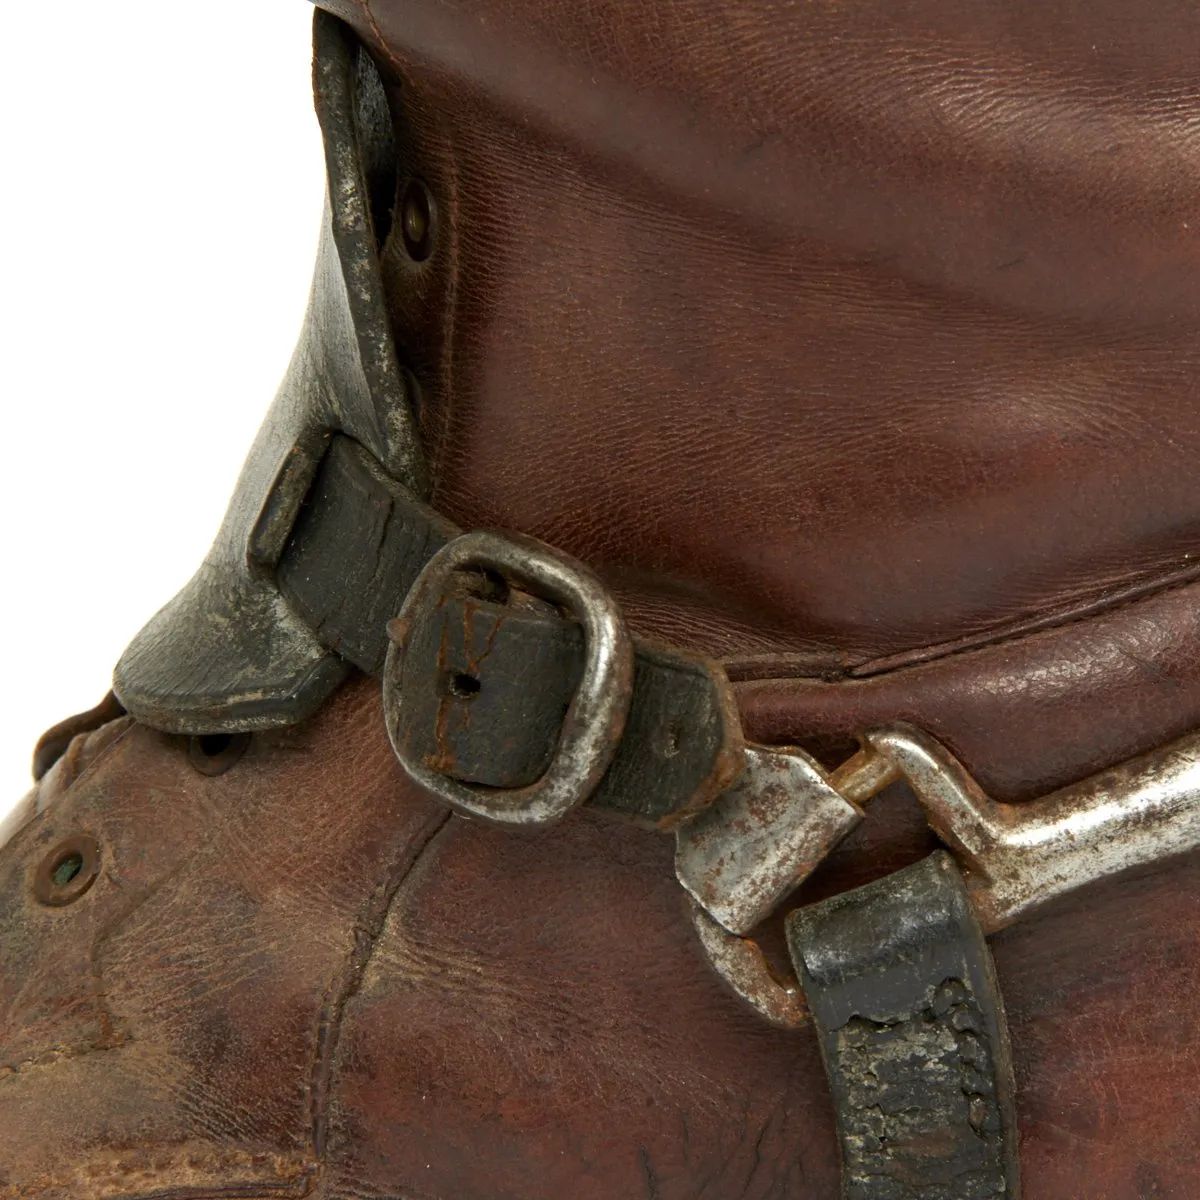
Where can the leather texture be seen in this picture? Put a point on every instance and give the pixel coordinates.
(854, 344)
(53, 744)
(903, 994)
(359, 543)
(681, 746)
(483, 685)
(840, 338)
(280, 985)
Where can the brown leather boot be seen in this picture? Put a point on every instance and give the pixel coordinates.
(841, 358)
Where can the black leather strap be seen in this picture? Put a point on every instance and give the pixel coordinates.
(357, 547)
(902, 990)
(486, 684)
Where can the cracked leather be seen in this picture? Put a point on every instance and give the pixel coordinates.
(904, 997)
(299, 978)
(839, 338)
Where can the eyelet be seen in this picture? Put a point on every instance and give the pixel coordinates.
(215, 753)
(68, 871)
(417, 220)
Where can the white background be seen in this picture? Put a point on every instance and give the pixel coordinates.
(162, 191)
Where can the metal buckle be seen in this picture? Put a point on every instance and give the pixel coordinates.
(1015, 858)
(762, 838)
(596, 717)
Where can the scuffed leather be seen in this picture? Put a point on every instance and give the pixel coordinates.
(165, 1035)
(227, 652)
(839, 337)
(301, 978)
(855, 343)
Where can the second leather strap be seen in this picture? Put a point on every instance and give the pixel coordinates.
(902, 990)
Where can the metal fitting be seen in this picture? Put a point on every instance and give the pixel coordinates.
(596, 717)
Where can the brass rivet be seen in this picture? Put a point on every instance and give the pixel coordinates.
(416, 221)
(67, 871)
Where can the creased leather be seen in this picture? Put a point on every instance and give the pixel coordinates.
(300, 977)
(830, 334)
(1027, 714)
(838, 337)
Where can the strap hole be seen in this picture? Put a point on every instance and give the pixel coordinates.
(463, 686)
(213, 745)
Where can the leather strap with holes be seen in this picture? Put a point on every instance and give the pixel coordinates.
(901, 986)
(487, 683)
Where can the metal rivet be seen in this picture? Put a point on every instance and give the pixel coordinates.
(215, 753)
(68, 871)
(416, 221)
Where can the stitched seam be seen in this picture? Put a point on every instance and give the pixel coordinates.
(987, 643)
(379, 38)
(367, 931)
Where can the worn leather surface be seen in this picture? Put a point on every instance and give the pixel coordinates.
(485, 679)
(1027, 713)
(228, 652)
(359, 543)
(855, 343)
(282, 985)
(53, 744)
(840, 337)
(903, 994)
(680, 748)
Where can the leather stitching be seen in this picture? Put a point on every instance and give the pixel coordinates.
(380, 40)
(367, 931)
(929, 655)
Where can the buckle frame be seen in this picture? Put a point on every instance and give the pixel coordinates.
(595, 719)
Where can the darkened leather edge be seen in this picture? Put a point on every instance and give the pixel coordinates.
(53, 743)
(902, 990)
(227, 654)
